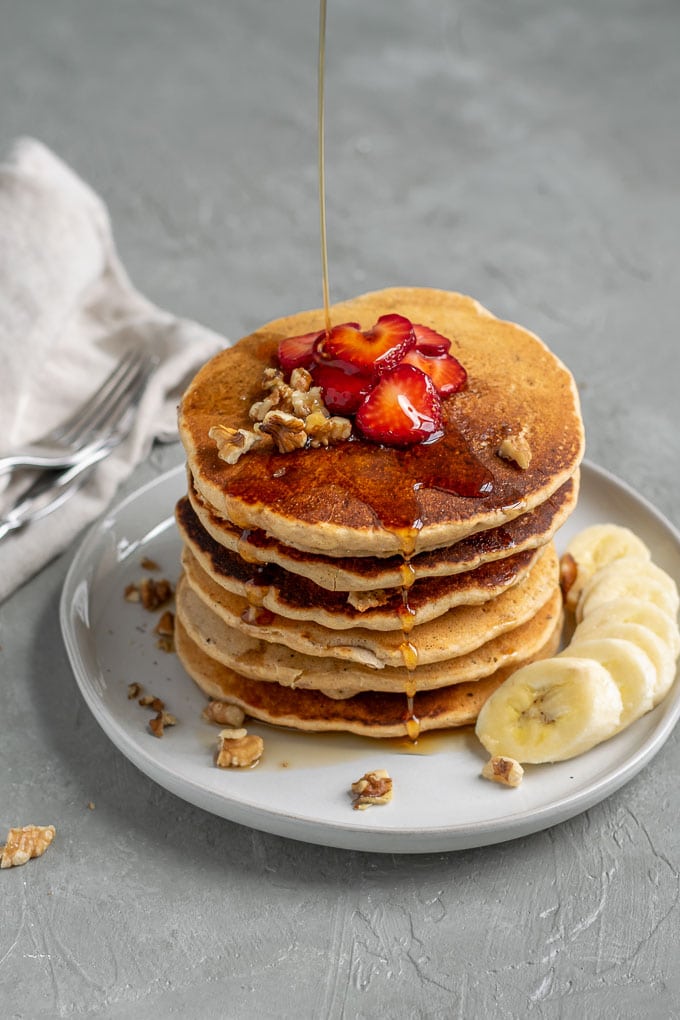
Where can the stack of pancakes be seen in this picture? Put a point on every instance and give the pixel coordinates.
(383, 591)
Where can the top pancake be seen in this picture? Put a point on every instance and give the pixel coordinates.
(359, 498)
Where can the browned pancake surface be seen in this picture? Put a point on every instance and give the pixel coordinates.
(363, 573)
(369, 713)
(299, 598)
(373, 500)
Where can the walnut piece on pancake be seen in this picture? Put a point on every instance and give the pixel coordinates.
(363, 600)
(515, 447)
(286, 429)
(224, 714)
(238, 749)
(291, 415)
(232, 443)
(373, 788)
(22, 844)
(504, 770)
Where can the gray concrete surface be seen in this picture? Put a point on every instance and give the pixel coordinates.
(526, 152)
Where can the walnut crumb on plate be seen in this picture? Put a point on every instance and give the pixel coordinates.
(373, 788)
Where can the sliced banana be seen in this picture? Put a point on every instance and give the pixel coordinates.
(619, 664)
(551, 710)
(629, 578)
(597, 546)
(633, 672)
(631, 610)
(658, 651)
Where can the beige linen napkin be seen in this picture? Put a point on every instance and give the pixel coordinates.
(67, 312)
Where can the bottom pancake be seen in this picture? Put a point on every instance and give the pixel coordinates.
(372, 714)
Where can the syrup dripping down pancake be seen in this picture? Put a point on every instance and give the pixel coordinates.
(456, 632)
(263, 660)
(371, 500)
(342, 573)
(298, 598)
(371, 714)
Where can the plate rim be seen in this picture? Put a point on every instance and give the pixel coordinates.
(369, 837)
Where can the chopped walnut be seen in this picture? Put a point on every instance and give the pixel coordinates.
(290, 414)
(373, 788)
(134, 691)
(257, 616)
(232, 443)
(238, 749)
(165, 628)
(151, 593)
(326, 430)
(151, 701)
(501, 769)
(568, 574)
(272, 379)
(363, 600)
(287, 430)
(160, 721)
(149, 564)
(224, 714)
(22, 844)
(516, 448)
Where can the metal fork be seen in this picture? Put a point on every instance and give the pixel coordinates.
(91, 424)
(51, 489)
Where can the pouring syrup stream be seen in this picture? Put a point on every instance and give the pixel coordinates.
(408, 650)
(322, 164)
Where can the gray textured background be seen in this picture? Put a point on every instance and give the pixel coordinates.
(524, 151)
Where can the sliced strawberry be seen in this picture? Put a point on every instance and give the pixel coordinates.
(445, 371)
(403, 408)
(430, 341)
(297, 351)
(342, 391)
(372, 351)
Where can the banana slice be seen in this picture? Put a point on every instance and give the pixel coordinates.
(597, 546)
(551, 710)
(630, 610)
(619, 664)
(630, 668)
(658, 651)
(629, 578)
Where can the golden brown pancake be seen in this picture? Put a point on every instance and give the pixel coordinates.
(373, 714)
(343, 573)
(456, 632)
(298, 598)
(359, 498)
(266, 661)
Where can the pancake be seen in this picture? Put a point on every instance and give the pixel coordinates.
(262, 660)
(298, 598)
(372, 714)
(362, 499)
(454, 633)
(343, 573)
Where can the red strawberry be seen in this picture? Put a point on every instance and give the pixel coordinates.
(446, 372)
(342, 391)
(403, 408)
(297, 351)
(372, 351)
(429, 341)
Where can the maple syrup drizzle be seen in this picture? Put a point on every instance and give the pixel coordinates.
(322, 164)
(473, 480)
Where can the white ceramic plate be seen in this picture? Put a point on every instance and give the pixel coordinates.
(300, 789)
